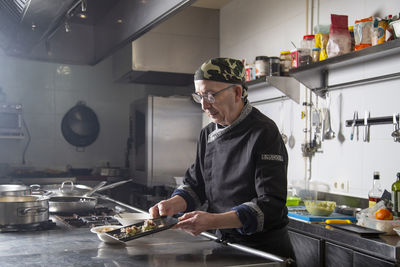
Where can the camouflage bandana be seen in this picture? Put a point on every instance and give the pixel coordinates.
(226, 70)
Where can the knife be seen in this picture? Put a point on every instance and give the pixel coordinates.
(353, 125)
(357, 131)
(366, 126)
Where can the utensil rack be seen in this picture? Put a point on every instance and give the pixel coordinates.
(372, 121)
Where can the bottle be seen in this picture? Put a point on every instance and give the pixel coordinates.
(375, 194)
(396, 195)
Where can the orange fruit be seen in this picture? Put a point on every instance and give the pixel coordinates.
(383, 214)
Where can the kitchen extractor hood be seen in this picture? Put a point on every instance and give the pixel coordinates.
(78, 31)
(170, 53)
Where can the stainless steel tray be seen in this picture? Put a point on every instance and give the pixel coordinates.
(162, 223)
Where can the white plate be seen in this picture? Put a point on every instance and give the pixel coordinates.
(103, 237)
(131, 218)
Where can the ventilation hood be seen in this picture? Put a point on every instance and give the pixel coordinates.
(56, 30)
(170, 53)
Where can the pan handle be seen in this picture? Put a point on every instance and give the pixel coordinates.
(110, 186)
(34, 209)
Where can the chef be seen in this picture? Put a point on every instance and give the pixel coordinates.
(240, 171)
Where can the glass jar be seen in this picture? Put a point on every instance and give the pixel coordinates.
(315, 54)
(274, 66)
(285, 62)
(261, 66)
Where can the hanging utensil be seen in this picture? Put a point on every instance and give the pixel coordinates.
(366, 126)
(292, 141)
(341, 137)
(396, 132)
(284, 136)
(353, 125)
(329, 134)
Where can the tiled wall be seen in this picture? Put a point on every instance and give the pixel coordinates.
(47, 91)
(259, 27)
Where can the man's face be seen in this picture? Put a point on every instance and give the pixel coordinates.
(224, 110)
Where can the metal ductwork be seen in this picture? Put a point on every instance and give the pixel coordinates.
(78, 31)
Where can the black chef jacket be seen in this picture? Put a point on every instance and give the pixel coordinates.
(242, 167)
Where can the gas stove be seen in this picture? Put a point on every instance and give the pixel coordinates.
(100, 216)
(46, 225)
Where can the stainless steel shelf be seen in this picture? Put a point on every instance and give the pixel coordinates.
(314, 76)
(287, 85)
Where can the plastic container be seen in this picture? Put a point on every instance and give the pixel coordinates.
(261, 66)
(380, 225)
(396, 27)
(320, 207)
(293, 201)
(308, 43)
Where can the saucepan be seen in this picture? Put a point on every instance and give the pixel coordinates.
(71, 204)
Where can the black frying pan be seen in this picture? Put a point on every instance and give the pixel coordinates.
(80, 126)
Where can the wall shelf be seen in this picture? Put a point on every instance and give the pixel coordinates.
(315, 75)
(287, 85)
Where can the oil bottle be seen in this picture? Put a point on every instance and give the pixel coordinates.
(375, 194)
(395, 196)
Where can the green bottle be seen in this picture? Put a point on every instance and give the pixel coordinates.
(396, 196)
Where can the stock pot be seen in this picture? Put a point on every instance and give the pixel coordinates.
(19, 210)
(14, 190)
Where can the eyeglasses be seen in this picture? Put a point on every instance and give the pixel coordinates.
(209, 97)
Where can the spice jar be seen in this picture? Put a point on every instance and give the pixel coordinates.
(315, 54)
(285, 62)
(261, 66)
(274, 66)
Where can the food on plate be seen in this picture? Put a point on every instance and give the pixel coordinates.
(133, 230)
(383, 214)
(104, 229)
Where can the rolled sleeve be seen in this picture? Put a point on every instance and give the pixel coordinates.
(251, 217)
(192, 201)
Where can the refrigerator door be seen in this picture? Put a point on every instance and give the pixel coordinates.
(166, 132)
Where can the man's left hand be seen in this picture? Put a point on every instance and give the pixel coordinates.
(196, 222)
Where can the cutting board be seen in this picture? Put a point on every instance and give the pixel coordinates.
(301, 214)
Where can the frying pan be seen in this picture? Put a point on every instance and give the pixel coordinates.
(80, 126)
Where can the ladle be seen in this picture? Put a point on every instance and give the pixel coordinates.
(396, 131)
(284, 136)
(329, 134)
(292, 141)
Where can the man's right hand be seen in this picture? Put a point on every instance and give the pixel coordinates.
(168, 207)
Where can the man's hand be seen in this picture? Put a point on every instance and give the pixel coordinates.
(199, 221)
(168, 207)
(196, 222)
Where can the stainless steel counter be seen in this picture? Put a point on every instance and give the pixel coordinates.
(67, 246)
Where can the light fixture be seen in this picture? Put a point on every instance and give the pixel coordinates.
(82, 14)
(33, 26)
(119, 21)
(67, 27)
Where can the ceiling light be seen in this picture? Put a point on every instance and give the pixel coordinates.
(119, 21)
(33, 26)
(83, 6)
(67, 27)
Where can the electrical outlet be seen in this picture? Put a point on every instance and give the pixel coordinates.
(341, 185)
